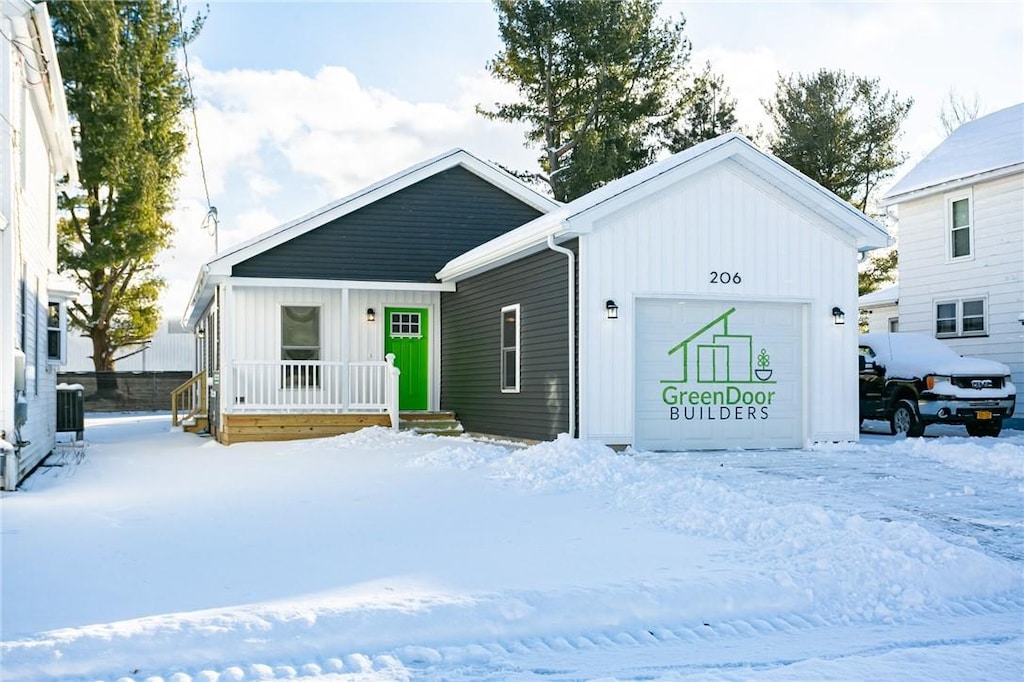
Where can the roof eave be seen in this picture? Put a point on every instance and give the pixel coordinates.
(953, 184)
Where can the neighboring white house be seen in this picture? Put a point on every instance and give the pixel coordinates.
(36, 151)
(961, 227)
(171, 349)
(881, 309)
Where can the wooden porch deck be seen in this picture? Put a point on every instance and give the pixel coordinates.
(247, 428)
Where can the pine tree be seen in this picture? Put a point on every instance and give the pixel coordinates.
(595, 79)
(708, 111)
(878, 270)
(838, 129)
(125, 95)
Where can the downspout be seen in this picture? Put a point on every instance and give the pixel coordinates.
(572, 330)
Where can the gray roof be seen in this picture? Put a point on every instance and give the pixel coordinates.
(990, 143)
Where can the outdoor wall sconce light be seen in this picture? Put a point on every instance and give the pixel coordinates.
(838, 316)
(371, 315)
(612, 310)
(200, 333)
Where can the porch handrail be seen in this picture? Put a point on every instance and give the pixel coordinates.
(189, 398)
(313, 386)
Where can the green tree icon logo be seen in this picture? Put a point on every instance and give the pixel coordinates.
(762, 372)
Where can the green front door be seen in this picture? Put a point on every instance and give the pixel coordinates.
(405, 335)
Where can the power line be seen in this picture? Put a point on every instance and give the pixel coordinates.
(212, 219)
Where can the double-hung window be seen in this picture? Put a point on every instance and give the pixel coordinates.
(54, 333)
(300, 346)
(510, 349)
(959, 220)
(962, 317)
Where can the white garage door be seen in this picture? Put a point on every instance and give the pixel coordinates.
(713, 374)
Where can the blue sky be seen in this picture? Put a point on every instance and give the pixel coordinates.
(301, 103)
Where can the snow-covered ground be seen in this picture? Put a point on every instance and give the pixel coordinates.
(162, 556)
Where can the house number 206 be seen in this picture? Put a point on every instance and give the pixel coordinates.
(725, 277)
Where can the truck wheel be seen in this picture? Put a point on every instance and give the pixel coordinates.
(987, 428)
(904, 421)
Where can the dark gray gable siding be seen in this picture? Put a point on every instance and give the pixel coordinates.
(403, 237)
(470, 348)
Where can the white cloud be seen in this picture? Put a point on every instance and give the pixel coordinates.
(278, 144)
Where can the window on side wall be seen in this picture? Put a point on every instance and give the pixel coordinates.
(959, 218)
(300, 346)
(510, 349)
(54, 333)
(963, 317)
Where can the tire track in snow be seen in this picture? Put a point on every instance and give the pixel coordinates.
(552, 653)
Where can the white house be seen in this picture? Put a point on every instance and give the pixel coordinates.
(961, 227)
(36, 151)
(706, 301)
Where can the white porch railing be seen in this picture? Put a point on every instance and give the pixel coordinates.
(314, 386)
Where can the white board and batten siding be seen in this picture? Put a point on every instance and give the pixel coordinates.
(715, 241)
(995, 272)
(345, 333)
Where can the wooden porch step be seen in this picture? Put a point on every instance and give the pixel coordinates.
(196, 424)
(437, 423)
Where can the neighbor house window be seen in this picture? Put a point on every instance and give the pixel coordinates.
(961, 239)
(972, 317)
(894, 324)
(54, 334)
(300, 346)
(965, 317)
(510, 349)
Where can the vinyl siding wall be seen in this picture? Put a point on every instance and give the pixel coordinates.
(996, 272)
(405, 237)
(471, 360)
(27, 259)
(723, 220)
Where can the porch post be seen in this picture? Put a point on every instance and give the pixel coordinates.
(391, 389)
(346, 343)
(227, 351)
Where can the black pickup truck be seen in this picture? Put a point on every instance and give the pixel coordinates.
(912, 380)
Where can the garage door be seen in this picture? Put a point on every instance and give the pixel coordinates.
(713, 374)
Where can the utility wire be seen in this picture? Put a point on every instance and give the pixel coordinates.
(211, 220)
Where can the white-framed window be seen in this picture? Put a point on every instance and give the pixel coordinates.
(959, 227)
(894, 324)
(961, 317)
(510, 349)
(55, 333)
(405, 325)
(300, 346)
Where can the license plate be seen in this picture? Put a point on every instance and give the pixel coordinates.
(983, 414)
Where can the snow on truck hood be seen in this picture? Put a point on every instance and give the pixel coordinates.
(916, 355)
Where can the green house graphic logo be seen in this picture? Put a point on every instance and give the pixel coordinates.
(714, 355)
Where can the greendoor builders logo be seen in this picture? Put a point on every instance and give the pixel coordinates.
(722, 376)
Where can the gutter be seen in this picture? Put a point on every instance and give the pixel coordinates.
(572, 330)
